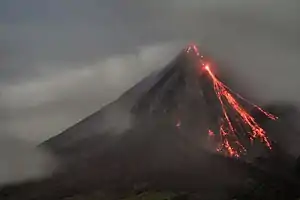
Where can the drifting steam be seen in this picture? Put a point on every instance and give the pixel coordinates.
(20, 161)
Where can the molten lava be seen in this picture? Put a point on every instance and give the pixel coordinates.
(230, 143)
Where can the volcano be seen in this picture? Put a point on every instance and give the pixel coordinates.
(158, 135)
(186, 96)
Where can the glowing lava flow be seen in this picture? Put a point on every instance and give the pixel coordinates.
(228, 135)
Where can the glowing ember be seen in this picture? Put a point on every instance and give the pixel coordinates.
(228, 135)
(211, 133)
(178, 124)
(196, 50)
(188, 49)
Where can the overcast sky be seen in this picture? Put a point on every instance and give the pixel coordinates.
(62, 60)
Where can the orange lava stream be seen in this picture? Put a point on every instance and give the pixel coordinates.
(229, 141)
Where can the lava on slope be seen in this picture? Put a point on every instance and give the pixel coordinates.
(233, 114)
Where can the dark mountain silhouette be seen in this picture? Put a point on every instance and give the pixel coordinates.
(153, 136)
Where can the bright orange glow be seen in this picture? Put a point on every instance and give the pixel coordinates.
(207, 68)
(228, 135)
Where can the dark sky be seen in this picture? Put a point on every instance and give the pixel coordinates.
(62, 60)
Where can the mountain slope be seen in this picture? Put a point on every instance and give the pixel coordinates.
(154, 136)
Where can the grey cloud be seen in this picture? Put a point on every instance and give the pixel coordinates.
(51, 103)
(20, 161)
(64, 60)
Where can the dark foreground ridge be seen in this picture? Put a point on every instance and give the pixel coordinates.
(154, 137)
